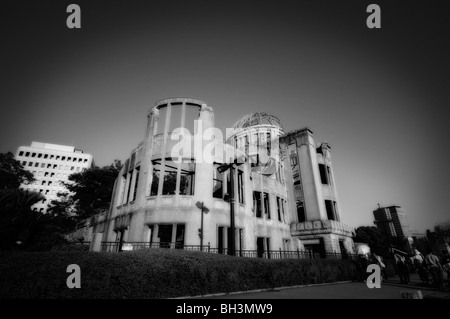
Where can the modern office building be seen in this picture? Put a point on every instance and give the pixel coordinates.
(392, 221)
(175, 189)
(51, 164)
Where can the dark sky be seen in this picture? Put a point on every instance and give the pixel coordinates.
(379, 97)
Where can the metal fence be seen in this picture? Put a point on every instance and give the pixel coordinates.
(268, 254)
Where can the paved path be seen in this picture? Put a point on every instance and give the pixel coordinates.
(391, 289)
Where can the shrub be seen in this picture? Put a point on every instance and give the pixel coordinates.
(156, 273)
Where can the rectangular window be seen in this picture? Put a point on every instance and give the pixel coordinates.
(169, 178)
(69, 158)
(330, 212)
(329, 175)
(46, 174)
(39, 155)
(52, 174)
(24, 163)
(136, 181)
(130, 177)
(36, 164)
(266, 205)
(179, 237)
(240, 177)
(155, 179)
(52, 156)
(279, 208)
(33, 155)
(72, 168)
(63, 158)
(45, 155)
(57, 157)
(301, 211)
(257, 203)
(42, 165)
(260, 247)
(187, 178)
(323, 174)
(217, 183)
(336, 215)
(30, 164)
(20, 153)
(27, 154)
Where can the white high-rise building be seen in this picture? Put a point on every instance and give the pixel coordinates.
(51, 164)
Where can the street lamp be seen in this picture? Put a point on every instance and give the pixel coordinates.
(203, 210)
(221, 169)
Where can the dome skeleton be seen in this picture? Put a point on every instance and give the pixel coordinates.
(258, 118)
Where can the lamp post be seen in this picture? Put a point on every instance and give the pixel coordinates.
(205, 210)
(221, 169)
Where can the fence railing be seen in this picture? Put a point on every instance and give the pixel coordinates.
(268, 254)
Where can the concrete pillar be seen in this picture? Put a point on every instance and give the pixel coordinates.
(147, 234)
(225, 237)
(174, 235)
(311, 182)
(146, 165)
(204, 169)
(155, 233)
(97, 242)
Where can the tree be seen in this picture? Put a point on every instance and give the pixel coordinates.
(89, 192)
(24, 228)
(12, 173)
(376, 240)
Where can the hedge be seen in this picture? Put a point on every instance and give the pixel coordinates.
(157, 273)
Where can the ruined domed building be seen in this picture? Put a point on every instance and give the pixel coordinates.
(175, 189)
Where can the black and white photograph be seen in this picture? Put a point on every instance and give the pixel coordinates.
(199, 151)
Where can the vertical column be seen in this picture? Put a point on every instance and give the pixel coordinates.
(174, 235)
(183, 116)
(125, 198)
(155, 233)
(147, 166)
(132, 186)
(203, 184)
(225, 238)
(163, 152)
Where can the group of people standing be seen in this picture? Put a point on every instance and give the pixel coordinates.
(429, 268)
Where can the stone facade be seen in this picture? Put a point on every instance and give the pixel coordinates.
(159, 192)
